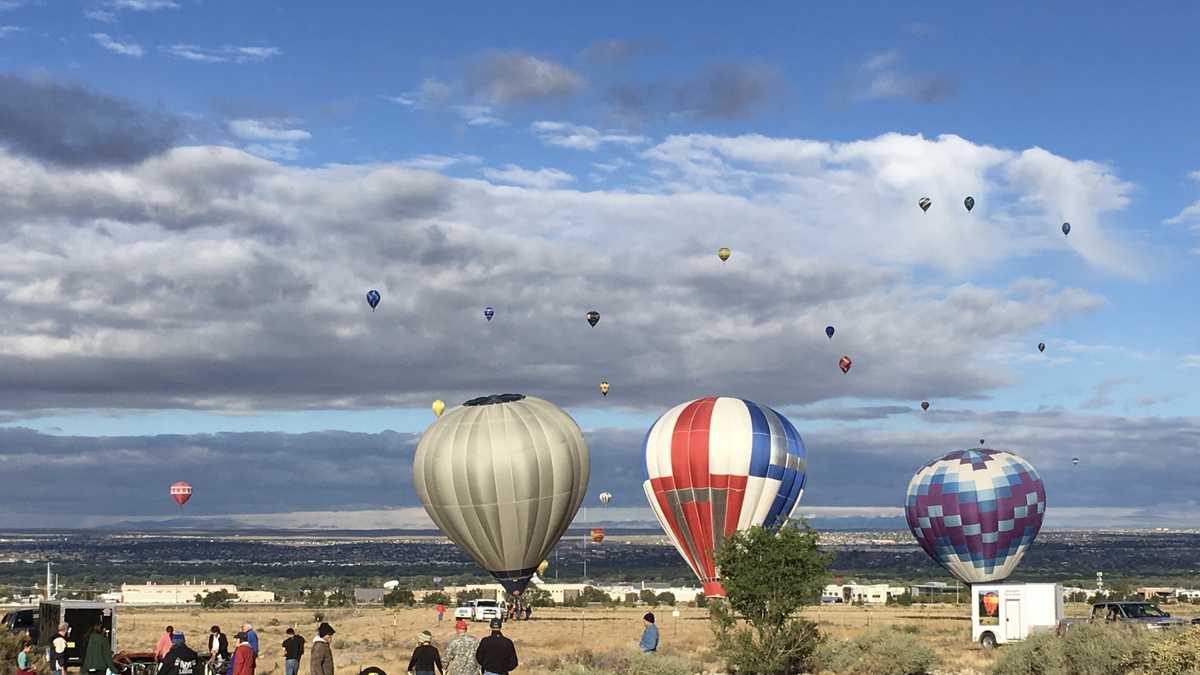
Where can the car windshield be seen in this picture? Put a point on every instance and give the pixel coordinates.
(485, 603)
(1144, 611)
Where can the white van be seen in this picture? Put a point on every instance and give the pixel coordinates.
(1003, 613)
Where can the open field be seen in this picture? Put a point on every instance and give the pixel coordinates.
(381, 637)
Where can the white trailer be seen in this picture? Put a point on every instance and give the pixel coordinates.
(1010, 612)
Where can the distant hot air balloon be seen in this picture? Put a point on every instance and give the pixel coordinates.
(1066, 228)
(1041, 346)
(981, 443)
(716, 466)
(844, 363)
(724, 253)
(181, 492)
(597, 535)
(976, 511)
(829, 332)
(924, 405)
(488, 313)
(604, 388)
(438, 406)
(437, 581)
(373, 298)
(969, 202)
(1075, 461)
(505, 495)
(593, 317)
(924, 203)
(605, 498)
(542, 567)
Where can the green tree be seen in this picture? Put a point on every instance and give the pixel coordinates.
(768, 578)
(339, 598)
(315, 598)
(397, 597)
(537, 597)
(648, 597)
(219, 599)
(436, 597)
(467, 596)
(666, 598)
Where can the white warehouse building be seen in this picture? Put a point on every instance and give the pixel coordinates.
(182, 594)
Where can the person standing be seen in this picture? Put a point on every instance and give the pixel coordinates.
(181, 659)
(320, 661)
(649, 641)
(56, 653)
(441, 610)
(460, 652)
(425, 656)
(293, 649)
(244, 658)
(218, 650)
(98, 657)
(496, 654)
(164, 644)
(251, 637)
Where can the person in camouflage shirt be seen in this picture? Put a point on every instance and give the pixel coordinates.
(460, 652)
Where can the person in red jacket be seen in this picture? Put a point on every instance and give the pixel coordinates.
(243, 657)
(441, 611)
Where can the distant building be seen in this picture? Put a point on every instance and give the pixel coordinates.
(182, 594)
(873, 594)
(369, 596)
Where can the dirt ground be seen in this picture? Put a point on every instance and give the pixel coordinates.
(374, 636)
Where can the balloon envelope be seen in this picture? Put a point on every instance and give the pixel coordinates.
(604, 387)
(924, 405)
(545, 565)
(969, 202)
(503, 476)
(844, 363)
(718, 465)
(1041, 346)
(593, 317)
(605, 498)
(488, 313)
(438, 406)
(976, 512)
(924, 203)
(829, 332)
(724, 254)
(597, 535)
(1066, 228)
(373, 298)
(181, 492)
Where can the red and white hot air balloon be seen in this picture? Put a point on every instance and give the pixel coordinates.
(181, 492)
(716, 466)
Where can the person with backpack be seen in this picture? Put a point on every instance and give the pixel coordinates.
(293, 649)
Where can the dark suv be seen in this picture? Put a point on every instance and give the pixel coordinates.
(1136, 613)
(22, 621)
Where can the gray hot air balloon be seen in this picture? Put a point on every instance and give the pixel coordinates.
(503, 476)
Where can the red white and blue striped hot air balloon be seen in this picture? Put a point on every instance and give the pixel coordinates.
(181, 492)
(718, 465)
(976, 512)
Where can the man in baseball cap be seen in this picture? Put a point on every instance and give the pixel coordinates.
(496, 654)
(460, 652)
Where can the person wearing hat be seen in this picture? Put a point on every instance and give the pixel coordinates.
(180, 659)
(496, 654)
(460, 652)
(425, 656)
(320, 661)
(649, 642)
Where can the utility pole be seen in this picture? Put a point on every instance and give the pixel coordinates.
(49, 582)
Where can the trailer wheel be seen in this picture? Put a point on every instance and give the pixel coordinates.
(988, 641)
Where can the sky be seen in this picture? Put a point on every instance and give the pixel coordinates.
(196, 196)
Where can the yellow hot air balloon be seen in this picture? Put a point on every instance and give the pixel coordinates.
(604, 387)
(438, 406)
(541, 569)
(724, 254)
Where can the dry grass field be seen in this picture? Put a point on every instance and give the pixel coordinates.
(374, 636)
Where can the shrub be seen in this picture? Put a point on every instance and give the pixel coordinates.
(1039, 654)
(877, 651)
(436, 597)
(587, 662)
(1175, 653)
(1086, 649)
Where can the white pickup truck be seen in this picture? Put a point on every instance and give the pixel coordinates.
(480, 610)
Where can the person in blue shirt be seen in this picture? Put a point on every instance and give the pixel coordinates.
(649, 642)
(251, 637)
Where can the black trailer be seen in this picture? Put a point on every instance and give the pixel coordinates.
(80, 616)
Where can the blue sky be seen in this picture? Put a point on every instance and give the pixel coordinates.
(253, 168)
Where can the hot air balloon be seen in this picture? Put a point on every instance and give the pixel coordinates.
(542, 567)
(181, 492)
(969, 202)
(605, 498)
(604, 388)
(373, 298)
(488, 313)
(438, 406)
(593, 317)
(924, 203)
(597, 535)
(1041, 346)
(924, 405)
(981, 443)
(829, 332)
(724, 253)
(1066, 228)
(976, 511)
(1075, 461)
(502, 476)
(718, 465)
(437, 581)
(844, 363)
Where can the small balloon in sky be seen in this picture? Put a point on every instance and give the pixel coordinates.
(829, 332)
(1041, 346)
(1066, 228)
(604, 388)
(438, 406)
(924, 405)
(488, 313)
(593, 317)
(969, 202)
(724, 253)
(924, 203)
(844, 363)
(373, 298)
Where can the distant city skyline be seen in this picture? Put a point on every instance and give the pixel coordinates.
(195, 198)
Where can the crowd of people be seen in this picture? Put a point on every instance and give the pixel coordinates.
(495, 654)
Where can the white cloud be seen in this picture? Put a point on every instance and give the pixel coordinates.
(882, 80)
(1190, 215)
(8, 30)
(143, 5)
(541, 178)
(267, 130)
(102, 15)
(577, 137)
(6, 5)
(514, 77)
(123, 48)
(478, 115)
(1190, 361)
(439, 162)
(223, 54)
(433, 93)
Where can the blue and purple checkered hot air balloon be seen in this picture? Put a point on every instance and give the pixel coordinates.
(976, 512)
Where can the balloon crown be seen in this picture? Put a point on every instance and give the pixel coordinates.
(494, 399)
